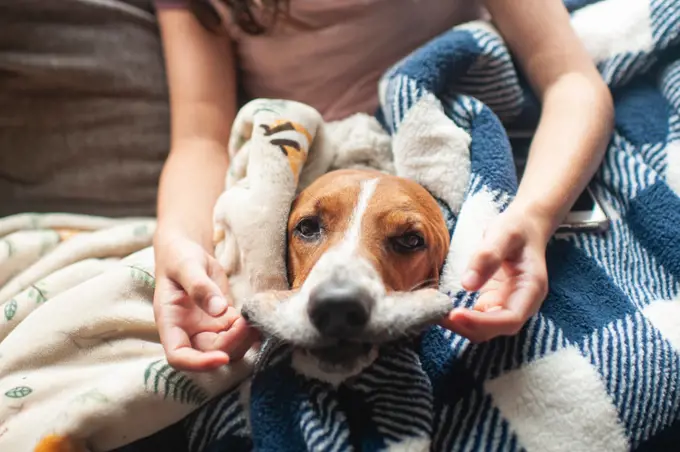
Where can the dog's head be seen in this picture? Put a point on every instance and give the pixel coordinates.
(365, 251)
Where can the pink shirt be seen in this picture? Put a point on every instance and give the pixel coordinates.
(331, 53)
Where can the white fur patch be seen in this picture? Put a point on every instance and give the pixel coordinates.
(665, 316)
(475, 216)
(611, 27)
(353, 235)
(309, 366)
(559, 404)
(410, 445)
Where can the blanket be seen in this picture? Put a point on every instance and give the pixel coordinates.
(81, 366)
(598, 367)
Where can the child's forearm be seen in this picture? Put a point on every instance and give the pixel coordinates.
(567, 148)
(202, 82)
(192, 180)
(577, 111)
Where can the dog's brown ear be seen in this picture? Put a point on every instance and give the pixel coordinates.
(439, 251)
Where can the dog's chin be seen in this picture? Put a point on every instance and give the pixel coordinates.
(334, 363)
(394, 317)
(342, 355)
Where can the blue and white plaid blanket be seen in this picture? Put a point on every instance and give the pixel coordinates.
(598, 369)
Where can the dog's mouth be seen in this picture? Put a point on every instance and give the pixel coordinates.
(334, 363)
(341, 354)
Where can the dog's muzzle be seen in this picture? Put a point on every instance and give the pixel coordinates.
(339, 323)
(340, 310)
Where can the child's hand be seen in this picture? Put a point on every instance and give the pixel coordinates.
(509, 270)
(198, 329)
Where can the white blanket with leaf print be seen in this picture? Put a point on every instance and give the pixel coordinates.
(81, 366)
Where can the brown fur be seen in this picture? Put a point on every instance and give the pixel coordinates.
(398, 206)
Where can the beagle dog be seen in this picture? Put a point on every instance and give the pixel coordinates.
(365, 250)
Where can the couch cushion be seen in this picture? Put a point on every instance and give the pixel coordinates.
(83, 107)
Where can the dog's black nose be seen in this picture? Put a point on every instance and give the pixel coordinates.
(339, 310)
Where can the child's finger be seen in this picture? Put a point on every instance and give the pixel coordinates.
(205, 341)
(225, 321)
(219, 275)
(498, 322)
(204, 291)
(483, 326)
(191, 360)
(238, 341)
(493, 299)
(181, 355)
(527, 298)
(482, 266)
(459, 325)
(496, 248)
(194, 320)
(488, 307)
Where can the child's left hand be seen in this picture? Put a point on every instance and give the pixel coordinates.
(509, 271)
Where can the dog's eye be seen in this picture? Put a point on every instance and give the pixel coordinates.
(308, 228)
(411, 241)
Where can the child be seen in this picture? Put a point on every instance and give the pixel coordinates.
(330, 54)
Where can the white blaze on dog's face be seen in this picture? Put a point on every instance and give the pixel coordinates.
(354, 238)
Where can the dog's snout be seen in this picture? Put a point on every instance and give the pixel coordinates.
(339, 310)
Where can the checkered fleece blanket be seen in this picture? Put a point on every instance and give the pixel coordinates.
(598, 369)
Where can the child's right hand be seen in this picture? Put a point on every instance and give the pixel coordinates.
(198, 328)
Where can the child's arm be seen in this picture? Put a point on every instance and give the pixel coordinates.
(202, 84)
(577, 115)
(568, 146)
(190, 304)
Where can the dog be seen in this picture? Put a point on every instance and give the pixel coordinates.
(364, 254)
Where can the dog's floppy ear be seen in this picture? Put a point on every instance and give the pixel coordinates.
(439, 251)
(404, 312)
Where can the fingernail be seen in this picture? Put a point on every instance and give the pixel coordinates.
(217, 306)
(470, 278)
(493, 309)
(227, 359)
(465, 322)
(458, 315)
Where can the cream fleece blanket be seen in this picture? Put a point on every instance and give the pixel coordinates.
(81, 366)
